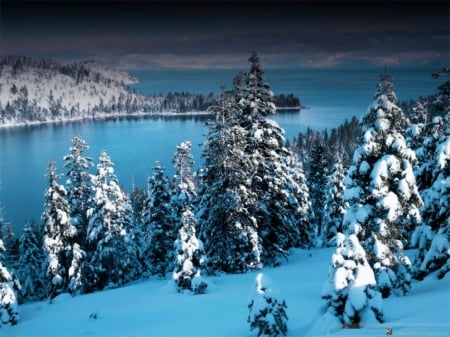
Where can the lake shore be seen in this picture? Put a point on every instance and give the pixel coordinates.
(106, 116)
(102, 117)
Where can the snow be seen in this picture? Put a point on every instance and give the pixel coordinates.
(390, 203)
(364, 167)
(154, 308)
(443, 154)
(356, 293)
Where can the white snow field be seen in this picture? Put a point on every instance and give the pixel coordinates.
(154, 308)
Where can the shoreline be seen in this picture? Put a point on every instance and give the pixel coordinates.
(103, 116)
(106, 116)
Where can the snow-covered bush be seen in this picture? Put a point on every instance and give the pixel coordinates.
(267, 312)
(351, 291)
(189, 257)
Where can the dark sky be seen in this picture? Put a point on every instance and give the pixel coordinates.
(199, 35)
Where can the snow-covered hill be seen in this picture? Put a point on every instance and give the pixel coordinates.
(154, 308)
(36, 90)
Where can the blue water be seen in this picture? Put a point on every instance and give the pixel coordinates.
(134, 145)
(331, 94)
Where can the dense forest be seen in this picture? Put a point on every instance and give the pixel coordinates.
(371, 188)
(40, 90)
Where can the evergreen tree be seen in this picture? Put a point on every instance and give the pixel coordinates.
(277, 207)
(30, 270)
(11, 243)
(78, 185)
(351, 293)
(334, 205)
(382, 193)
(228, 228)
(317, 180)
(159, 229)
(58, 234)
(433, 237)
(184, 189)
(9, 311)
(424, 139)
(301, 193)
(257, 98)
(76, 269)
(267, 312)
(189, 257)
(112, 254)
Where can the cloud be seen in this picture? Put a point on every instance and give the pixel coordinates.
(205, 36)
(323, 60)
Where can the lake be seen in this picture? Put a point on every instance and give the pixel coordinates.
(135, 144)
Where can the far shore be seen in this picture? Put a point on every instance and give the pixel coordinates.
(105, 116)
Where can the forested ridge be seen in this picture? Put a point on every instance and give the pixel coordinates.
(371, 188)
(42, 90)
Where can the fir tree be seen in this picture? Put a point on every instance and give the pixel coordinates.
(433, 237)
(184, 189)
(78, 185)
(257, 99)
(58, 234)
(11, 243)
(9, 311)
(267, 312)
(351, 293)
(382, 193)
(159, 229)
(189, 257)
(30, 271)
(334, 205)
(277, 206)
(317, 180)
(227, 225)
(301, 194)
(112, 253)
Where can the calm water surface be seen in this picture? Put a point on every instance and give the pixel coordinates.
(135, 144)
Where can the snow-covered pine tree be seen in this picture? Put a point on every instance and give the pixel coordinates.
(257, 99)
(112, 255)
(159, 229)
(9, 310)
(267, 311)
(184, 189)
(78, 185)
(301, 193)
(382, 193)
(227, 226)
(317, 181)
(30, 267)
(334, 205)
(415, 133)
(189, 257)
(350, 292)
(11, 243)
(277, 207)
(433, 237)
(59, 234)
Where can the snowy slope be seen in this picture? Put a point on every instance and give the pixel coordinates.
(154, 308)
(59, 91)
